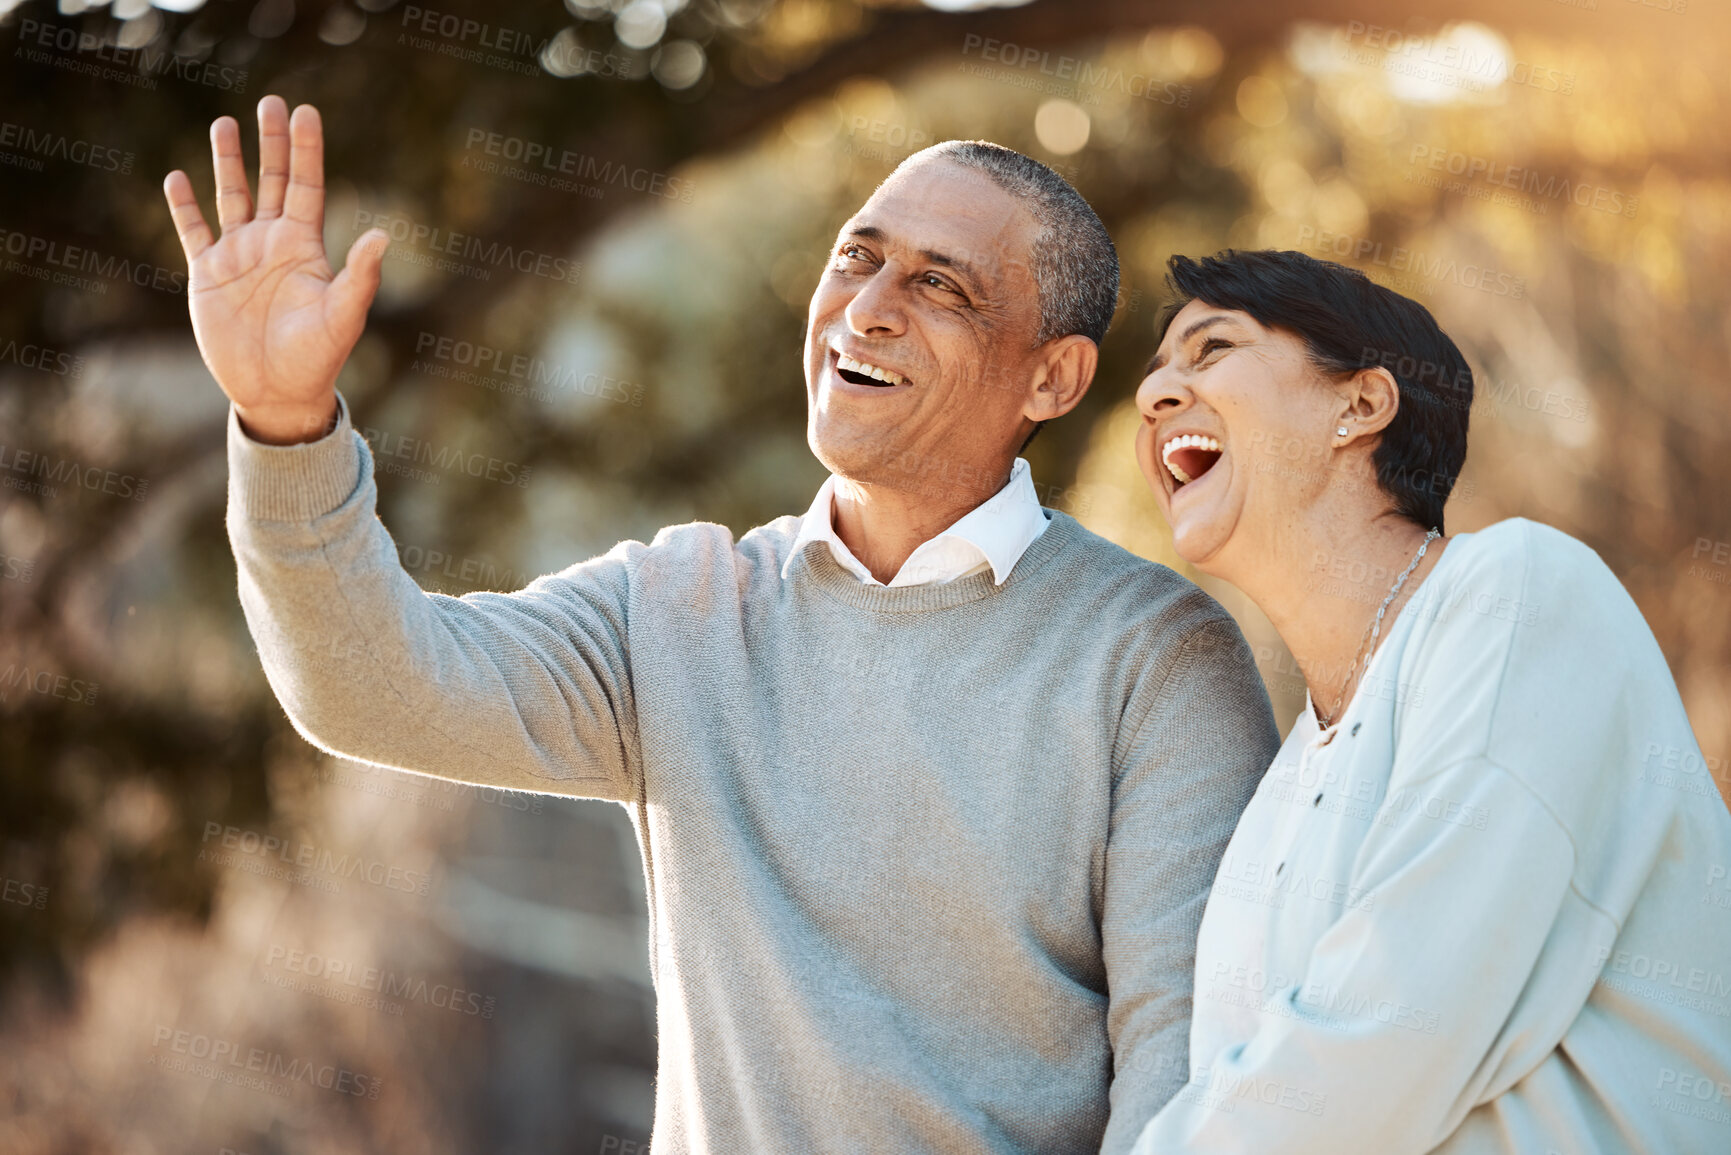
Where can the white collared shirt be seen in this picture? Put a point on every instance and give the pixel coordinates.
(993, 536)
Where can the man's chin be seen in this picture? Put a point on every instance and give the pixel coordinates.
(861, 455)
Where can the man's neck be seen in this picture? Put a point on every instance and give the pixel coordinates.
(882, 525)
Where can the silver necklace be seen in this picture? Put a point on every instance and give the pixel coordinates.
(1374, 630)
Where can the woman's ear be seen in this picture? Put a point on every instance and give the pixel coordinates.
(1371, 398)
(1062, 378)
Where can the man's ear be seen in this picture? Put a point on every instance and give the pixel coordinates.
(1062, 378)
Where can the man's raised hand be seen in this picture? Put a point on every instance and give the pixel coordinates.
(272, 321)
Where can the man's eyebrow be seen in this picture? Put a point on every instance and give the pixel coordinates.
(945, 260)
(1159, 358)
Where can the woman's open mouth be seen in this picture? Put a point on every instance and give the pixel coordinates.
(1189, 456)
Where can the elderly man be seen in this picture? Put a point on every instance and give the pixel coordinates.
(930, 783)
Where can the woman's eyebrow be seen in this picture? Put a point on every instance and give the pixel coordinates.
(1159, 358)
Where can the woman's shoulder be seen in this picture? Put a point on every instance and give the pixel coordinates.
(1538, 569)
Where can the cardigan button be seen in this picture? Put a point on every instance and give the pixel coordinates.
(1317, 801)
(1355, 727)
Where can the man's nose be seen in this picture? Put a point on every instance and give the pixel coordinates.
(877, 309)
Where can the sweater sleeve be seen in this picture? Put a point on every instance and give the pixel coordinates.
(1463, 951)
(525, 691)
(1192, 764)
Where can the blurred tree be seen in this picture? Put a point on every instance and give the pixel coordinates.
(711, 149)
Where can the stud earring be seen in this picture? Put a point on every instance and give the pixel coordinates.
(1340, 431)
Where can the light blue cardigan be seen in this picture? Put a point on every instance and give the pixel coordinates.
(1490, 910)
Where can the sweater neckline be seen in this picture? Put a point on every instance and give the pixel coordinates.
(822, 570)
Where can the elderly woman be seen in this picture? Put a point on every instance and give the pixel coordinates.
(1479, 902)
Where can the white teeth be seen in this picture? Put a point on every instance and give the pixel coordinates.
(843, 361)
(1186, 441)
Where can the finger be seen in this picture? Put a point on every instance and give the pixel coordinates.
(233, 200)
(188, 220)
(273, 156)
(353, 289)
(306, 184)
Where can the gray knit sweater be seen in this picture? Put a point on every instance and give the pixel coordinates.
(925, 864)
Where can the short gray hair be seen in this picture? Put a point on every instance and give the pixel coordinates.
(1074, 265)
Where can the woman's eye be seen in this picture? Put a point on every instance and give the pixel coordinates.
(1212, 346)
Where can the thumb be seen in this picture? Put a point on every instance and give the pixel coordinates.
(353, 289)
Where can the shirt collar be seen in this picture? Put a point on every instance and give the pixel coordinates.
(999, 529)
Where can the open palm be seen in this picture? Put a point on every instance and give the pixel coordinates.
(273, 323)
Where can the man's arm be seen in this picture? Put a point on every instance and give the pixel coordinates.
(528, 690)
(1205, 742)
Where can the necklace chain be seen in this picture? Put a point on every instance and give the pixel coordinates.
(1374, 629)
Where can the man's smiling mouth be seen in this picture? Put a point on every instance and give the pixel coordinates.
(863, 373)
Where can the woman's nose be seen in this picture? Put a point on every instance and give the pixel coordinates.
(1160, 394)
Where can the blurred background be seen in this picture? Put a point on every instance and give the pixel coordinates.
(607, 218)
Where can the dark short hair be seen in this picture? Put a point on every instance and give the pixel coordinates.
(1349, 322)
(1074, 263)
